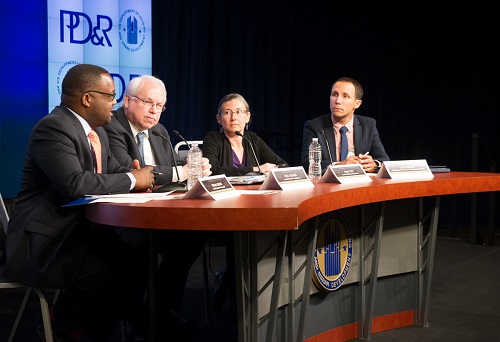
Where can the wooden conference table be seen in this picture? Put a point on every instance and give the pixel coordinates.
(283, 213)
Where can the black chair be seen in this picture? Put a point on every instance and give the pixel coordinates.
(6, 284)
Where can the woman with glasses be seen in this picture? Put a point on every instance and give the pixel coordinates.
(234, 151)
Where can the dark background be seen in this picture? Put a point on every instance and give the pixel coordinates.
(429, 70)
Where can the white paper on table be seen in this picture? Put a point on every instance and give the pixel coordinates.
(142, 197)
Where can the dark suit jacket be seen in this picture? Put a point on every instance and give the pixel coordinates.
(46, 243)
(124, 146)
(217, 148)
(366, 139)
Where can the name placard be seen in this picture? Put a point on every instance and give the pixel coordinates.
(343, 174)
(405, 169)
(213, 187)
(287, 178)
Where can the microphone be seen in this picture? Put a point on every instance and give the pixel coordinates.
(327, 146)
(181, 137)
(172, 186)
(238, 133)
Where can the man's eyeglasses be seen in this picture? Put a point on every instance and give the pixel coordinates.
(158, 106)
(238, 112)
(109, 96)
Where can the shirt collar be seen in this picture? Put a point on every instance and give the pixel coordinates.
(85, 124)
(337, 125)
(135, 130)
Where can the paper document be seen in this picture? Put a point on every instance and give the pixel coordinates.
(141, 197)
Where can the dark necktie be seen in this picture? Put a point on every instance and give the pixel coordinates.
(344, 144)
(140, 145)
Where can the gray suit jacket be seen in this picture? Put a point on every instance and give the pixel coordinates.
(366, 139)
(124, 146)
(46, 242)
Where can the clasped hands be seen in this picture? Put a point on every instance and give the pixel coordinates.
(366, 161)
(265, 168)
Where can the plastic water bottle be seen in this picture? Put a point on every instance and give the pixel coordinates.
(315, 159)
(194, 163)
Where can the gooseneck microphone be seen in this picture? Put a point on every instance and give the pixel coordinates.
(238, 133)
(327, 146)
(172, 186)
(181, 137)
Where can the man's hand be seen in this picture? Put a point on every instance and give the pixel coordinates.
(206, 167)
(144, 178)
(367, 162)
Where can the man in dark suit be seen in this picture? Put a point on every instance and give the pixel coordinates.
(144, 101)
(52, 246)
(364, 144)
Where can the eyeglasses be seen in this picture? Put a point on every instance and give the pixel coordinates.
(158, 106)
(238, 112)
(109, 96)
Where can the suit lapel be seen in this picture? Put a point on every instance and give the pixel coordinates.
(162, 155)
(330, 135)
(83, 142)
(122, 119)
(358, 136)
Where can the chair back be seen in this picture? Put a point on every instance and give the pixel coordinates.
(4, 216)
(4, 222)
(182, 149)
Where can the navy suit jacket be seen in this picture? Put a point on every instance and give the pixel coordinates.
(124, 146)
(46, 242)
(366, 139)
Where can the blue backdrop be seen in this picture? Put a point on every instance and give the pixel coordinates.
(23, 91)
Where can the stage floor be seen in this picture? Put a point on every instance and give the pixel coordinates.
(465, 298)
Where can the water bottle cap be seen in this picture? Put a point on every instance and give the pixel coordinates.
(315, 139)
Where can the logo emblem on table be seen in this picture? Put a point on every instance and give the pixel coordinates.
(333, 254)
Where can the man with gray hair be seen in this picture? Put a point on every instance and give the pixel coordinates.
(135, 133)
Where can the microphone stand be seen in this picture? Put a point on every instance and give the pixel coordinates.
(238, 133)
(181, 137)
(172, 186)
(327, 146)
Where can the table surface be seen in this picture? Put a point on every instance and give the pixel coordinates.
(283, 210)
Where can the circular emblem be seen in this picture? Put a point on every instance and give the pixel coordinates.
(333, 254)
(63, 70)
(132, 30)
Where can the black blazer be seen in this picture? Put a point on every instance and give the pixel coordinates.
(366, 139)
(217, 148)
(46, 242)
(124, 146)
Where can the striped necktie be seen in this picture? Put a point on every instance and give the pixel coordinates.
(140, 145)
(344, 144)
(95, 147)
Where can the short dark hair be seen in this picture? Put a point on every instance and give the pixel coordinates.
(358, 89)
(81, 78)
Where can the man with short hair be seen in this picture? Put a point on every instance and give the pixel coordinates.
(362, 142)
(50, 245)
